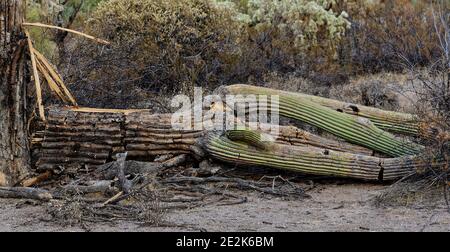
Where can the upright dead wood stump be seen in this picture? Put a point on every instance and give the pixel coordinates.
(14, 150)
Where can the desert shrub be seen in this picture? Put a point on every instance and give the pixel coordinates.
(432, 89)
(433, 86)
(158, 46)
(171, 46)
(387, 33)
(374, 91)
(328, 41)
(291, 82)
(305, 25)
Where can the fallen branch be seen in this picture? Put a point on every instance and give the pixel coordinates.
(112, 199)
(125, 184)
(25, 193)
(51, 83)
(111, 170)
(54, 79)
(101, 186)
(35, 180)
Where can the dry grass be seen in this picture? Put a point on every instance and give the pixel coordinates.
(143, 208)
(426, 190)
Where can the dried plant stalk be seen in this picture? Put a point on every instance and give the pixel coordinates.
(101, 41)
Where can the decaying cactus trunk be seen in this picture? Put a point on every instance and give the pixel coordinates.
(14, 151)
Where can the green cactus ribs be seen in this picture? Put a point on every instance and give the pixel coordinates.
(395, 122)
(354, 129)
(245, 148)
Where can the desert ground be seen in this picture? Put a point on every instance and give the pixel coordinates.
(331, 207)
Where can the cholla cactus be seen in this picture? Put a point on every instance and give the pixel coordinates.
(304, 23)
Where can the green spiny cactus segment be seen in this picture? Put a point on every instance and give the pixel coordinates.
(244, 149)
(357, 130)
(396, 122)
(248, 136)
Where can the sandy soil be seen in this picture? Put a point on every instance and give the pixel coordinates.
(346, 207)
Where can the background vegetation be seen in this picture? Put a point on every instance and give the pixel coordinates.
(170, 46)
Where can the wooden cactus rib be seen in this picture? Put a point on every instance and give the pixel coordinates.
(309, 160)
(37, 81)
(101, 41)
(290, 135)
(51, 83)
(357, 130)
(53, 78)
(387, 120)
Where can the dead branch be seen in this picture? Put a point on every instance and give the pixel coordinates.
(125, 184)
(241, 183)
(110, 170)
(37, 81)
(101, 186)
(25, 193)
(36, 180)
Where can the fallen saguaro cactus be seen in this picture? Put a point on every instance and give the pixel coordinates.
(387, 120)
(91, 137)
(88, 138)
(245, 147)
(357, 130)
